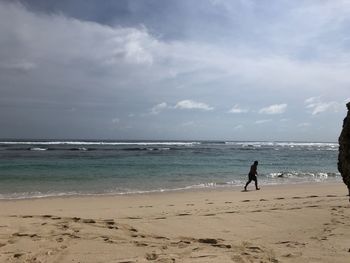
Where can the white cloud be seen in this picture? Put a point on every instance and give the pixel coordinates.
(190, 104)
(312, 100)
(159, 107)
(317, 106)
(263, 121)
(136, 50)
(237, 109)
(274, 109)
(320, 107)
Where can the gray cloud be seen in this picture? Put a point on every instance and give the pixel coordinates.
(56, 57)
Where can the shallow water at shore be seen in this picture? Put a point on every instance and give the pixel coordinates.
(59, 168)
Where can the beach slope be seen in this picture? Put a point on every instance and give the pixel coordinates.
(294, 223)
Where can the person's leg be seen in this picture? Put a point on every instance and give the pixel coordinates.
(245, 187)
(256, 184)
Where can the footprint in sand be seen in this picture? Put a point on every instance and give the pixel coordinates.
(109, 222)
(141, 244)
(181, 243)
(106, 239)
(292, 244)
(255, 249)
(184, 214)
(75, 219)
(162, 217)
(151, 256)
(133, 229)
(134, 217)
(18, 255)
(294, 208)
(211, 241)
(27, 216)
(290, 255)
(25, 235)
(88, 221)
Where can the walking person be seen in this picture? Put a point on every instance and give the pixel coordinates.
(252, 176)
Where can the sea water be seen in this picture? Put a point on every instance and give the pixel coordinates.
(58, 168)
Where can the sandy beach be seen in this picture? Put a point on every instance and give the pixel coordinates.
(294, 223)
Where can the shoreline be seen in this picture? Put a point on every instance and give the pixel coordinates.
(307, 223)
(167, 191)
(300, 187)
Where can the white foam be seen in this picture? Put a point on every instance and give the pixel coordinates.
(82, 149)
(95, 143)
(159, 149)
(294, 174)
(38, 149)
(285, 144)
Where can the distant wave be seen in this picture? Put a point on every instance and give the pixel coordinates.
(284, 144)
(95, 143)
(37, 149)
(247, 144)
(79, 149)
(147, 149)
(90, 149)
(155, 146)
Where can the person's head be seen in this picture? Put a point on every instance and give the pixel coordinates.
(256, 163)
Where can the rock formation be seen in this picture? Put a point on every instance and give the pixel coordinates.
(344, 150)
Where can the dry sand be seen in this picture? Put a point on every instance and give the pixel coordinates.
(295, 223)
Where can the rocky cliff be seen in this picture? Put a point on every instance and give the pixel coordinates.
(344, 150)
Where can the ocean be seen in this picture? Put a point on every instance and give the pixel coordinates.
(33, 169)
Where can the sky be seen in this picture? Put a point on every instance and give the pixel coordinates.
(275, 70)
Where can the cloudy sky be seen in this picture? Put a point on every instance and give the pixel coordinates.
(175, 69)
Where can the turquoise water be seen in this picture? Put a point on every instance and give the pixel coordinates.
(55, 168)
